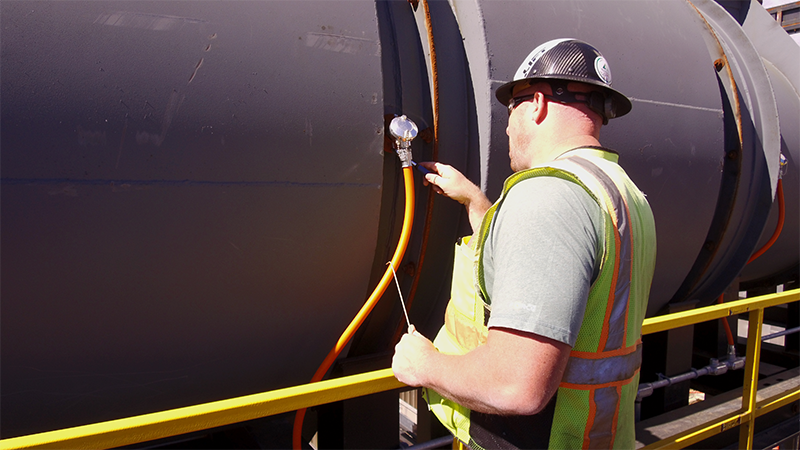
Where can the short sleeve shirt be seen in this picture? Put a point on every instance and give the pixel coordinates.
(541, 257)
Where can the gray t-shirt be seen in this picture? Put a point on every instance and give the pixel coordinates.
(542, 256)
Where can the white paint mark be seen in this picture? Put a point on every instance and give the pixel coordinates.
(342, 44)
(155, 22)
(309, 130)
(676, 105)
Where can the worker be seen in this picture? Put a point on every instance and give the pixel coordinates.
(541, 343)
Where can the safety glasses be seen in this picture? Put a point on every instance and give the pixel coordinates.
(515, 101)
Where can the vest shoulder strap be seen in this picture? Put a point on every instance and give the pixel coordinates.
(565, 169)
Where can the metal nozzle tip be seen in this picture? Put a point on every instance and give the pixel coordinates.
(403, 129)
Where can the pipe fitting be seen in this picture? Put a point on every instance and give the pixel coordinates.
(736, 364)
(716, 367)
(645, 390)
(403, 130)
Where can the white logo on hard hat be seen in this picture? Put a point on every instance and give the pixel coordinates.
(524, 70)
(601, 67)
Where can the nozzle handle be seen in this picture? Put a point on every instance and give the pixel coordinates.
(420, 168)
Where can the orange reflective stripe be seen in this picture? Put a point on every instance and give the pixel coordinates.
(612, 290)
(597, 371)
(598, 355)
(616, 416)
(614, 328)
(589, 420)
(589, 387)
(630, 271)
(610, 304)
(601, 428)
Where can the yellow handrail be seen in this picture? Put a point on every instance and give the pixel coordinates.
(178, 421)
(746, 415)
(147, 427)
(693, 316)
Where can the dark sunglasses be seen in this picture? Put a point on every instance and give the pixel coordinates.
(515, 101)
(597, 102)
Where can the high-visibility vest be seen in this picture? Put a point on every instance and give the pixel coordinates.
(594, 404)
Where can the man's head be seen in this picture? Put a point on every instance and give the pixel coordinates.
(540, 128)
(562, 64)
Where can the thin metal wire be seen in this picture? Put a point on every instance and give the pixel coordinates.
(403, 302)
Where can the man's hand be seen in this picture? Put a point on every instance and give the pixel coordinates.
(514, 373)
(409, 355)
(449, 182)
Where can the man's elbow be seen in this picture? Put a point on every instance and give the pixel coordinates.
(516, 402)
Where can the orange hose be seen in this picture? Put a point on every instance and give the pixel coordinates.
(778, 228)
(761, 251)
(426, 229)
(405, 235)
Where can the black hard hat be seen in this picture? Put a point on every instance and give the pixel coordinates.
(569, 60)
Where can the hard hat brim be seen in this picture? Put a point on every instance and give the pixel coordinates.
(623, 104)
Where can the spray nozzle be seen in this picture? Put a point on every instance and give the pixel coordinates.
(784, 166)
(404, 130)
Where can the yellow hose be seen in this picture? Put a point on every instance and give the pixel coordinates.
(405, 234)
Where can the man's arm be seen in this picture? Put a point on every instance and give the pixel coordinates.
(451, 183)
(538, 304)
(514, 373)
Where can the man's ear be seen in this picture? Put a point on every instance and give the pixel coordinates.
(539, 110)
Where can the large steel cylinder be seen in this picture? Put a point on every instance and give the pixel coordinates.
(190, 199)
(702, 141)
(779, 54)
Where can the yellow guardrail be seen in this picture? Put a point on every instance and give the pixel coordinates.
(147, 427)
(745, 417)
(131, 430)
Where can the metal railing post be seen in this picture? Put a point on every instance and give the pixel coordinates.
(749, 391)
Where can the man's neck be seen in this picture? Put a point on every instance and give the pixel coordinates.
(556, 149)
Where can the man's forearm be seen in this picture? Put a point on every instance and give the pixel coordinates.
(476, 209)
(514, 373)
(480, 391)
(451, 183)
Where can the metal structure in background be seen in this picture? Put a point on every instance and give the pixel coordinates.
(751, 162)
(779, 56)
(788, 16)
(195, 200)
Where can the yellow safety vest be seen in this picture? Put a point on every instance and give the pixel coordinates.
(594, 404)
